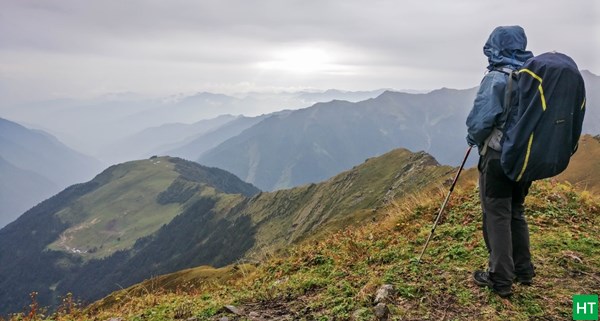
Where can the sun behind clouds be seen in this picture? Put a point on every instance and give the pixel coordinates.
(301, 60)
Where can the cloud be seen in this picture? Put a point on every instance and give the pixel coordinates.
(71, 47)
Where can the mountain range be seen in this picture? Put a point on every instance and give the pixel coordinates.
(277, 150)
(287, 148)
(295, 146)
(161, 215)
(311, 144)
(94, 125)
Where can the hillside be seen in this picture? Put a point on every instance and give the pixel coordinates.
(584, 166)
(90, 229)
(337, 277)
(162, 215)
(288, 216)
(42, 163)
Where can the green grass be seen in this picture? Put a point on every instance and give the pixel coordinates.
(114, 216)
(336, 277)
(289, 216)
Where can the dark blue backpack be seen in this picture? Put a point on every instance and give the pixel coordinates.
(542, 131)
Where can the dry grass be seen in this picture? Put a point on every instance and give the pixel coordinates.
(336, 277)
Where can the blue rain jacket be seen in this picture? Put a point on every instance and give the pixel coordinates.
(505, 48)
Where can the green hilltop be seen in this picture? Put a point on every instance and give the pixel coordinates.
(119, 212)
(135, 202)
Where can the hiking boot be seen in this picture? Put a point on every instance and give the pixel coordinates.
(482, 279)
(525, 279)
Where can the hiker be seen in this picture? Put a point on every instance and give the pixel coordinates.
(505, 229)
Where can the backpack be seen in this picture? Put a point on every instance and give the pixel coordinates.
(543, 126)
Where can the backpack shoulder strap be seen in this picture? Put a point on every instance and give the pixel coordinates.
(494, 140)
(512, 74)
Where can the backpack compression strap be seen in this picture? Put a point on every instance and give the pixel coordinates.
(540, 88)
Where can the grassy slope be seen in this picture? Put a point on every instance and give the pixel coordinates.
(288, 216)
(336, 277)
(218, 235)
(120, 212)
(584, 165)
(185, 281)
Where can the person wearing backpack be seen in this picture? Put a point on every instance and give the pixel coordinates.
(505, 229)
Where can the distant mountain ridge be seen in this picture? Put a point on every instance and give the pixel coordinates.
(278, 157)
(94, 125)
(20, 190)
(41, 166)
(197, 145)
(309, 145)
(144, 143)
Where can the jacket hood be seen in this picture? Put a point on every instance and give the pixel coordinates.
(506, 47)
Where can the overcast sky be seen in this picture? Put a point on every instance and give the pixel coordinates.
(74, 48)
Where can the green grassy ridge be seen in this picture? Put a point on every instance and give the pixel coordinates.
(348, 199)
(96, 237)
(289, 216)
(121, 211)
(136, 199)
(336, 277)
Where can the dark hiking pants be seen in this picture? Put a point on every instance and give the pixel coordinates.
(505, 229)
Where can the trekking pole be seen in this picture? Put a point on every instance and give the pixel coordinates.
(445, 202)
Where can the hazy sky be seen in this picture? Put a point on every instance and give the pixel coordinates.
(74, 48)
